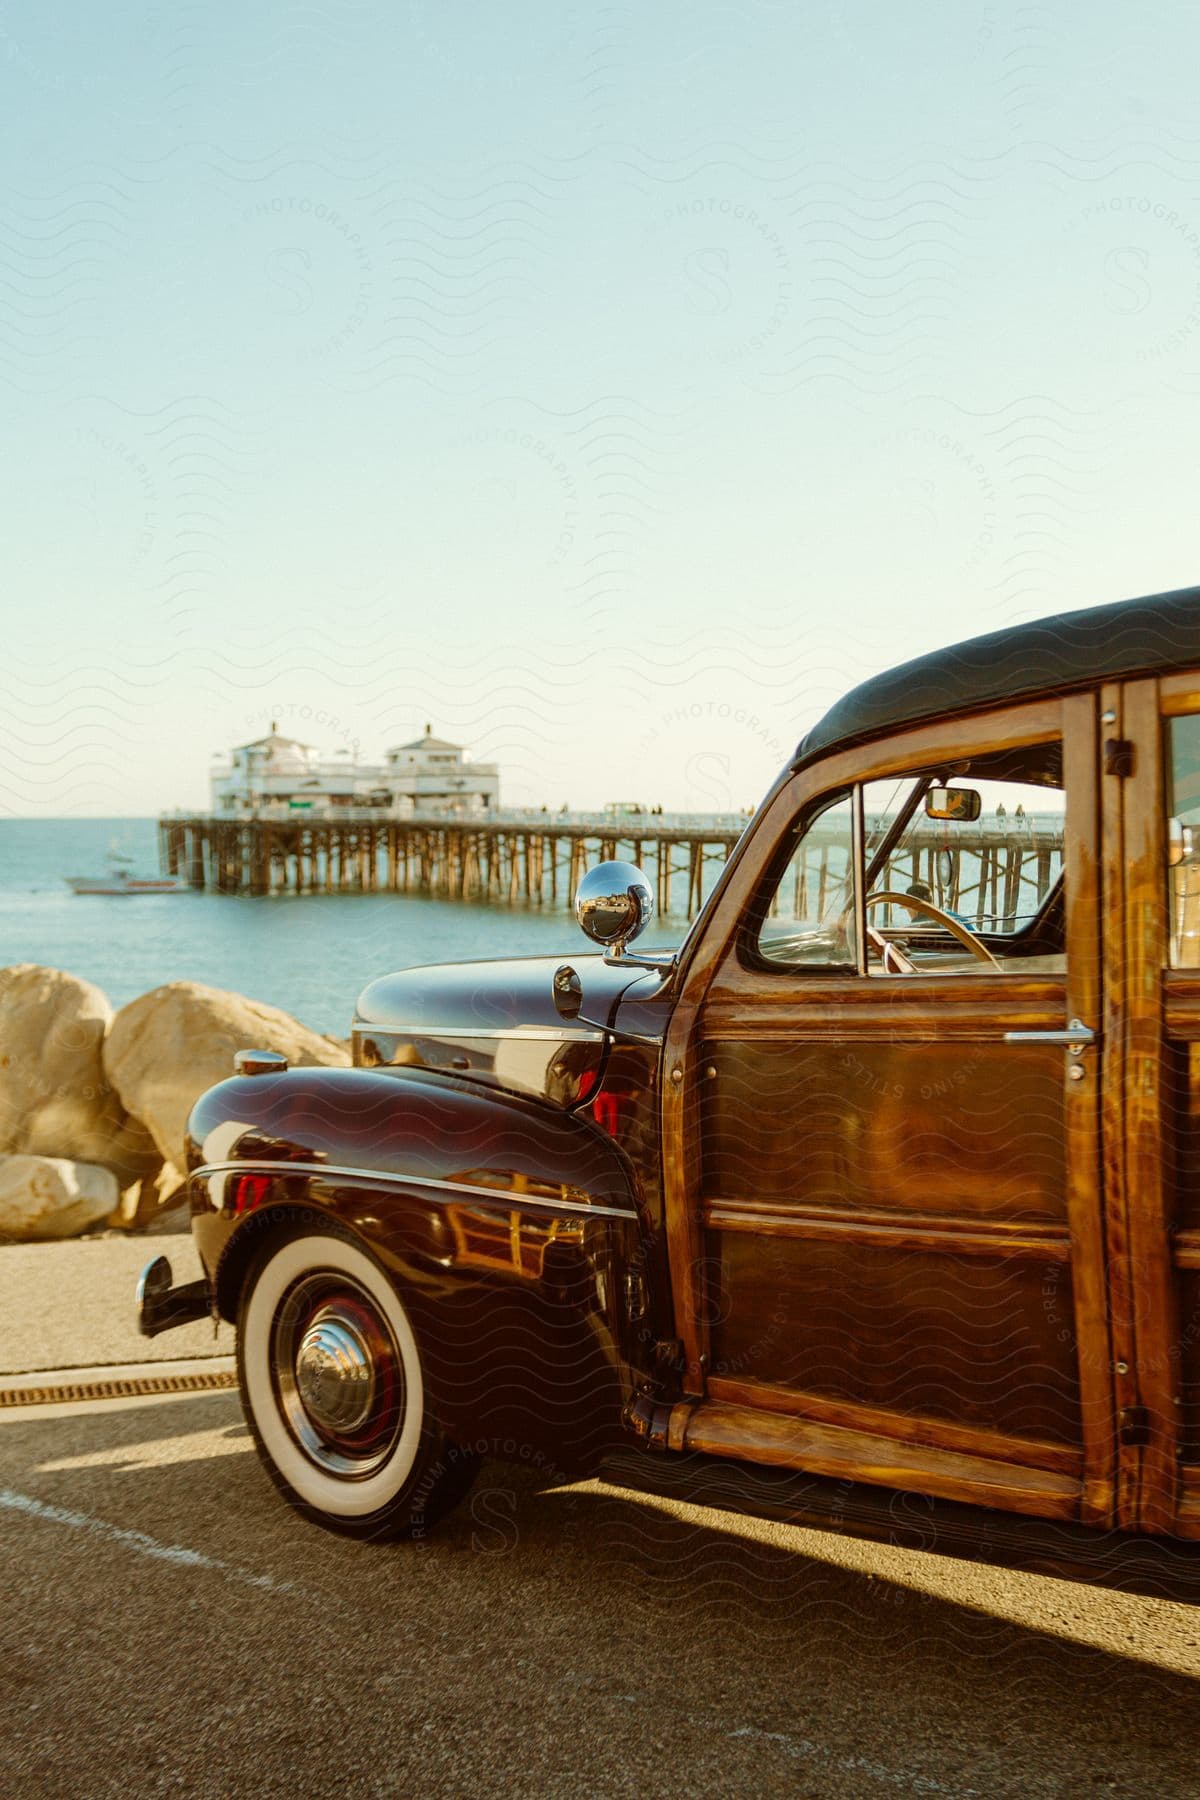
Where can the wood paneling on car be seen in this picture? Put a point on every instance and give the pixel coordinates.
(886, 1125)
(981, 1340)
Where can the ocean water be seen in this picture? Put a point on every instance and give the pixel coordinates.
(309, 953)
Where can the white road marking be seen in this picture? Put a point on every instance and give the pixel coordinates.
(800, 1748)
(176, 1555)
(867, 1766)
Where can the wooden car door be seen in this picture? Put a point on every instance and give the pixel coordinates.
(1152, 1088)
(884, 1185)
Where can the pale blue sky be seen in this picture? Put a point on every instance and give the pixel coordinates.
(610, 386)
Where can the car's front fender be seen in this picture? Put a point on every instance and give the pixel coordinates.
(514, 1230)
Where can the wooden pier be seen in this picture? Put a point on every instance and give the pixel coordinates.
(988, 873)
(534, 862)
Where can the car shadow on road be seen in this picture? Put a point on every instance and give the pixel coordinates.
(733, 1632)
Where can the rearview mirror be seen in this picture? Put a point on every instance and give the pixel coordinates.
(953, 803)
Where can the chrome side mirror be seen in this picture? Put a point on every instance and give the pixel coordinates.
(614, 903)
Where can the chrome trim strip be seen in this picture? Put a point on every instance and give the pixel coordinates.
(523, 1033)
(499, 1196)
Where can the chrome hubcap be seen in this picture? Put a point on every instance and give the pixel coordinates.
(335, 1376)
(338, 1375)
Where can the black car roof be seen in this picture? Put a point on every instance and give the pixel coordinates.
(1070, 650)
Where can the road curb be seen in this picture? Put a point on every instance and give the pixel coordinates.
(118, 1381)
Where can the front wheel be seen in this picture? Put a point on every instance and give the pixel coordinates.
(333, 1393)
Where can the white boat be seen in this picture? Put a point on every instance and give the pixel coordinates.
(121, 880)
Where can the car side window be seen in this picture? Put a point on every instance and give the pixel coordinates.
(809, 923)
(1183, 839)
(960, 869)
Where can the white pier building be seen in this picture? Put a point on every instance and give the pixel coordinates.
(280, 776)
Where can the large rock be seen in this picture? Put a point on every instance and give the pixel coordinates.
(53, 1197)
(144, 1200)
(55, 1099)
(167, 1046)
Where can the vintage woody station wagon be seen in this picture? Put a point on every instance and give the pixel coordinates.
(879, 1199)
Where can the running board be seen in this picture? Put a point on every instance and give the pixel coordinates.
(752, 1434)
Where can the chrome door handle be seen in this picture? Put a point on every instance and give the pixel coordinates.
(1077, 1036)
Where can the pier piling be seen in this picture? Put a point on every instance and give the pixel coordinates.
(995, 874)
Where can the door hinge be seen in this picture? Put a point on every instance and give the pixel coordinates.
(1133, 1426)
(1118, 757)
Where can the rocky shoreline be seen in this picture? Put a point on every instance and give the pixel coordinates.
(93, 1101)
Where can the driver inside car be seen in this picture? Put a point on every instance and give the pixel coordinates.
(921, 890)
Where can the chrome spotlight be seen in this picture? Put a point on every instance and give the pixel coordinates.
(614, 903)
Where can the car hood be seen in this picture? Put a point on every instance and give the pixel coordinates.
(534, 1025)
(496, 996)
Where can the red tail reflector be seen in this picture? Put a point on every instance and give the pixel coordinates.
(248, 1191)
(607, 1109)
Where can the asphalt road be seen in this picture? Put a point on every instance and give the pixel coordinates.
(167, 1626)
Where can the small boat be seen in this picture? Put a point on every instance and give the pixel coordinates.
(121, 880)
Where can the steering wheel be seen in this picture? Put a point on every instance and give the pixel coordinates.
(891, 953)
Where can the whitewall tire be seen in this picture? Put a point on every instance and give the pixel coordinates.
(333, 1390)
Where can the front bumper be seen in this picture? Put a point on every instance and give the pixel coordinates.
(160, 1307)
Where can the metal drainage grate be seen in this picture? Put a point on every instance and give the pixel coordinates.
(120, 1388)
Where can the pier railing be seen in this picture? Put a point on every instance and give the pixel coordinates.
(592, 821)
(990, 874)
